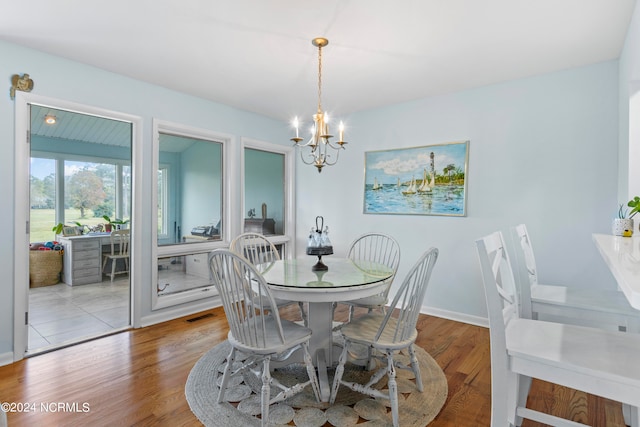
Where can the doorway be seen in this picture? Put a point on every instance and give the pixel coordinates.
(79, 185)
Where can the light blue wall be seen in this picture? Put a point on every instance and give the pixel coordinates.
(543, 151)
(62, 79)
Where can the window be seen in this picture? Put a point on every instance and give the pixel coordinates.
(88, 190)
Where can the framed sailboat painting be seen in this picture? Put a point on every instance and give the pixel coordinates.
(427, 180)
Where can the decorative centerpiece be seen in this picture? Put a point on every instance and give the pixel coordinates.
(319, 244)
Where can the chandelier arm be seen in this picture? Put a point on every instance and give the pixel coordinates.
(304, 161)
(336, 147)
(328, 163)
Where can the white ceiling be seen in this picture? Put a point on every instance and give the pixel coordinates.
(257, 54)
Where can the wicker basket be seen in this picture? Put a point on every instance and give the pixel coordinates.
(44, 268)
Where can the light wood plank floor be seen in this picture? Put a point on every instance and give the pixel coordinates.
(137, 378)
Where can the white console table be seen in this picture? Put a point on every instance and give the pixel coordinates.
(82, 260)
(622, 256)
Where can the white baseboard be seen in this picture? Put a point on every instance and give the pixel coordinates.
(456, 316)
(173, 313)
(6, 358)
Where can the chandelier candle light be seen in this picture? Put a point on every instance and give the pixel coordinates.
(320, 140)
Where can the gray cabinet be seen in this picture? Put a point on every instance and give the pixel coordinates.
(82, 260)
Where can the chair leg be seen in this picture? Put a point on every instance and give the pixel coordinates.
(393, 389)
(311, 371)
(337, 377)
(266, 392)
(352, 309)
(524, 384)
(227, 373)
(631, 415)
(114, 262)
(303, 314)
(415, 367)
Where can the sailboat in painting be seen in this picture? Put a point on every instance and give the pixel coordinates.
(412, 187)
(376, 185)
(426, 186)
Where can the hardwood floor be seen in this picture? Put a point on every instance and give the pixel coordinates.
(137, 378)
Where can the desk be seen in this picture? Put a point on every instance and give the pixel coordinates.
(345, 280)
(622, 256)
(82, 259)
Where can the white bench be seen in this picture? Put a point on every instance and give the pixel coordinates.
(596, 361)
(605, 309)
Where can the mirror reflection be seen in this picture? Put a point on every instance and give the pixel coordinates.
(264, 192)
(178, 274)
(189, 190)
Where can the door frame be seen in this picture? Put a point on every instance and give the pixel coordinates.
(23, 102)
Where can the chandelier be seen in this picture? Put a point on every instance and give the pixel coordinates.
(320, 141)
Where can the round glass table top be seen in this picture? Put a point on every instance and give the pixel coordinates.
(341, 272)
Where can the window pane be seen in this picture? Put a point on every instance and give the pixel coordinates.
(43, 199)
(191, 197)
(264, 192)
(90, 192)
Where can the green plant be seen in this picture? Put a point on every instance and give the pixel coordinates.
(57, 229)
(634, 204)
(114, 221)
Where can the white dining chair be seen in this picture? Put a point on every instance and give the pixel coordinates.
(258, 336)
(387, 334)
(596, 361)
(260, 252)
(602, 308)
(379, 248)
(119, 240)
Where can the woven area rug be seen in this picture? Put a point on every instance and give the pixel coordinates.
(242, 407)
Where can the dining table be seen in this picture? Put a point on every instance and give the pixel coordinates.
(622, 256)
(343, 280)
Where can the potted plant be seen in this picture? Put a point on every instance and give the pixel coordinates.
(623, 225)
(114, 224)
(59, 228)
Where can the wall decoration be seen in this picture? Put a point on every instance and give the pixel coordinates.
(23, 83)
(427, 180)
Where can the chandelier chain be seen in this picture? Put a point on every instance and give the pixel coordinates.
(320, 78)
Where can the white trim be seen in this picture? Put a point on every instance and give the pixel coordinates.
(6, 358)
(225, 140)
(455, 316)
(289, 237)
(21, 205)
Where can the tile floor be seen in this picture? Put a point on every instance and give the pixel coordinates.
(61, 314)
